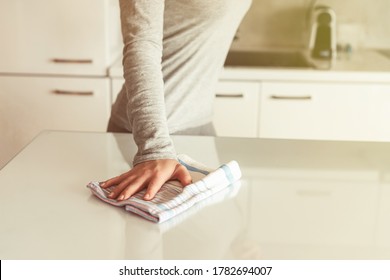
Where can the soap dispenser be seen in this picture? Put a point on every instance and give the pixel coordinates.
(323, 33)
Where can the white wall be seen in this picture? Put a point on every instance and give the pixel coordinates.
(283, 23)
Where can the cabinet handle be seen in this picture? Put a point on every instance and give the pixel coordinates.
(77, 61)
(67, 92)
(285, 97)
(317, 193)
(227, 95)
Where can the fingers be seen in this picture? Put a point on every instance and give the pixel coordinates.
(156, 183)
(181, 173)
(152, 174)
(154, 186)
(129, 191)
(125, 185)
(114, 181)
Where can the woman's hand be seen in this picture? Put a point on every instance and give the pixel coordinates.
(149, 174)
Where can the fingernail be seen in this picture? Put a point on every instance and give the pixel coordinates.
(121, 197)
(102, 184)
(147, 196)
(111, 194)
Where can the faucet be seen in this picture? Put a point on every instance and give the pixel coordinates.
(322, 44)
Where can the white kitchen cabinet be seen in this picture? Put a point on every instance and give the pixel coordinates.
(236, 109)
(72, 37)
(382, 233)
(43, 42)
(325, 111)
(29, 105)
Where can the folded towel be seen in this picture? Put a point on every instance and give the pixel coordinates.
(222, 196)
(172, 199)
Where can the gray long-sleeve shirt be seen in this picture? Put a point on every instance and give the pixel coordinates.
(173, 52)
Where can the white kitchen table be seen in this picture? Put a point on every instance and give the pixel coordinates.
(296, 200)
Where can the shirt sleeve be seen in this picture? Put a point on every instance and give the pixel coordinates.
(142, 30)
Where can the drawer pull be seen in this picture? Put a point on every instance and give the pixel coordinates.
(317, 193)
(76, 61)
(227, 95)
(285, 97)
(67, 92)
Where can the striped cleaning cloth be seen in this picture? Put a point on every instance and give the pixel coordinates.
(172, 199)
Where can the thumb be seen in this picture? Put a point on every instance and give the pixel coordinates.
(181, 173)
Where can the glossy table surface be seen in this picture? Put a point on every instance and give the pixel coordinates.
(296, 200)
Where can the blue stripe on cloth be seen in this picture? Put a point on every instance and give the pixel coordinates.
(191, 168)
(228, 173)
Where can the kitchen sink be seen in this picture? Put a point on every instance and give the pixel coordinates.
(284, 59)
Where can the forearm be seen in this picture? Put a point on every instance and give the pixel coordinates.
(142, 29)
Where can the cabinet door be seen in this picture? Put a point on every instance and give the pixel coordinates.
(236, 109)
(59, 37)
(382, 231)
(29, 105)
(325, 111)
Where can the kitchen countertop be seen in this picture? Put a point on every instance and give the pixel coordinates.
(361, 66)
(296, 200)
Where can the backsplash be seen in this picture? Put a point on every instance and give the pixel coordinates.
(284, 24)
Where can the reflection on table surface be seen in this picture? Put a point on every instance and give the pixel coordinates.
(296, 200)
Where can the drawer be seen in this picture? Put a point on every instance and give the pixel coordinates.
(326, 111)
(72, 37)
(29, 105)
(236, 109)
